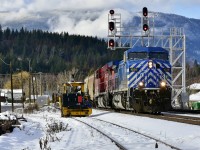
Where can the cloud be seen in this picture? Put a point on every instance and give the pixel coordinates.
(94, 23)
(11, 5)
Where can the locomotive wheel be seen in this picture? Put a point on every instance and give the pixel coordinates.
(138, 107)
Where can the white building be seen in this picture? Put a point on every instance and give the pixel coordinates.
(17, 94)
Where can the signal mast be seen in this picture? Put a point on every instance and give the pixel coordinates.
(120, 37)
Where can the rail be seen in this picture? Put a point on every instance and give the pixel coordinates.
(121, 147)
(157, 140)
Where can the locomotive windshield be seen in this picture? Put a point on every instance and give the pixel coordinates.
(138, 55)
(145, 55)
(158, 55)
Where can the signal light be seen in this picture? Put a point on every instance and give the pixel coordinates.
(145, 19)
(111, 43)
(112, 12)
(145, 11)
(145, 27)
(111, 26)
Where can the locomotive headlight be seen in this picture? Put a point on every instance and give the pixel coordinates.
(141, 84)
(150, 64)
(163, 84)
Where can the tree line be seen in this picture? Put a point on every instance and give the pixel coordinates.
(55, 53)
(50, 52)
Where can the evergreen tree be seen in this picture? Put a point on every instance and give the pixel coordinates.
(53, 52)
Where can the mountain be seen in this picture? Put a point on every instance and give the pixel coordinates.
(191, 30)
(47, 21)
(163, 23)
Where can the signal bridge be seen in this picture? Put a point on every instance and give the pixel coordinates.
(120, 37)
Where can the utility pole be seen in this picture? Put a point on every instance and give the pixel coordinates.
(40, 83)
(29, 60)
(23, 96)
(36, 92)
(11, 82)
(22, 84)
(0, 103)
(33, 81)
(12, 99)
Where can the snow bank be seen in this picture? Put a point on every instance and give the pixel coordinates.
(195, 97)
(195, 86)
(7, 116)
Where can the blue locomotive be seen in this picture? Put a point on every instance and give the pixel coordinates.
(140, 82)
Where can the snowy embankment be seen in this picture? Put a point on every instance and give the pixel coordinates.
(47, 129)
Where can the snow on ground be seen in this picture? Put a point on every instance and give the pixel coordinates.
(76, 136)
(195, 97)
(194, 86)
(180, 135)
(130, 140)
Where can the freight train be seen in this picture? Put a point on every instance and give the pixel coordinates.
(141, 82)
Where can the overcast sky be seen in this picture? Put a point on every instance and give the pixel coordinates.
(73, 21)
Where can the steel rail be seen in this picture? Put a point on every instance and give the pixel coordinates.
(121, 147)
(157, 140)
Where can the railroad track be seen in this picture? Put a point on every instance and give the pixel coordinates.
(121, 147)
(180, 118)
(174, 117)
(125, 129)
(166, 116)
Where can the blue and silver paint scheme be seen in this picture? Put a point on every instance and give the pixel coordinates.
(133, 71)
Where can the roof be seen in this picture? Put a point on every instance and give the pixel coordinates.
(147, 49)
(9, 90)
(195, 86)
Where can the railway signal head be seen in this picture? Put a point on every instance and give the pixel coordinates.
(111, 43)
(145, 11)
(145, 21)
(145, 27)
(112, 12)
(111, 25)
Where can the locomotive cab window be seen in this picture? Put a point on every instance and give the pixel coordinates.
(137, 55)
(158, 55)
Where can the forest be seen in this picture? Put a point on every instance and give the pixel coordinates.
(56, 55)
(47, 52)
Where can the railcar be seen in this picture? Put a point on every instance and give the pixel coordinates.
(75, 102)
(140, 82)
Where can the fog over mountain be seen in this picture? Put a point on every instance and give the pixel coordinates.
(94, 23)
